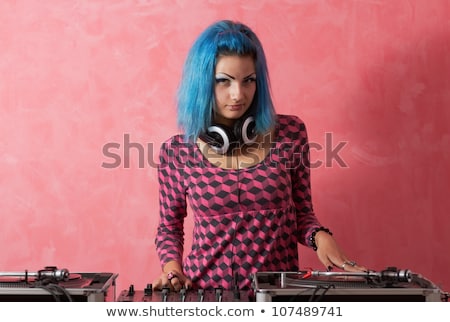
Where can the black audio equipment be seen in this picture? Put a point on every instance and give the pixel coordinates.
(199, 295)
(53, 284)
(390, 285)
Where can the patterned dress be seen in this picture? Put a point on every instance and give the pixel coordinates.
(245, 220)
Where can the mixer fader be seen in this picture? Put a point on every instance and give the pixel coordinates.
(184, 295)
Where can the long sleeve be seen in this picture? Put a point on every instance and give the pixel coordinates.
(301, 183)
(172, 204)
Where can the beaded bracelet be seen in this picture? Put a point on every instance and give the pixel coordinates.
(312, 238)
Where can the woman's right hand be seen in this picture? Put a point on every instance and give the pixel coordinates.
(172, 277)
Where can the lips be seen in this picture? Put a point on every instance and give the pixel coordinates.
(236, 107)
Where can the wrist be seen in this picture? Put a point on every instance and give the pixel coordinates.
(312, 237)
(172, 266)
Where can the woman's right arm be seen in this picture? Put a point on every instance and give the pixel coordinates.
(172, 208)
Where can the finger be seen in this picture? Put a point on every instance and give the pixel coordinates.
(328, 265)
(325, 261)
(157, 284)
(361, 268)
(176, 283)
(182, 281)
(188, 284)
(162, 282)
(352, 266)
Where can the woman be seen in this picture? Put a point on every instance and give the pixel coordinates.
(243, 170)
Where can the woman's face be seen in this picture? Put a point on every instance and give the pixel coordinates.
(235, 87)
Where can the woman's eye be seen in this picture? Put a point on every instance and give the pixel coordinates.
(221, 80)
(250, 80)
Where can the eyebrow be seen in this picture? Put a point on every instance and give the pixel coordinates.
(246, 77)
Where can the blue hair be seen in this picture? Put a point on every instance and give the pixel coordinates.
(195, 97)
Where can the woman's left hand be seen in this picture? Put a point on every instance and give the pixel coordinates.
(331, 255)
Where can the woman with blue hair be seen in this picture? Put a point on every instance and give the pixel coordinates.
(242, 169)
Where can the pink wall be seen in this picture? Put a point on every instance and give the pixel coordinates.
(76, 75)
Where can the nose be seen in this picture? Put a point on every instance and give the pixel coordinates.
(236, 91)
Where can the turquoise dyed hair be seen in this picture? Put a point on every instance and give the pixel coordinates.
(195, 97)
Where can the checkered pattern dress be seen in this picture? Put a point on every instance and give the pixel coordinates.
(245, 220)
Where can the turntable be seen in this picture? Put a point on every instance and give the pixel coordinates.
(56, 285)
(390, 285)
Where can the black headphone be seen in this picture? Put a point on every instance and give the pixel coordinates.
(221, 138)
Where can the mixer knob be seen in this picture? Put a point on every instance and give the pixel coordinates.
(236, 294)
(165, 293)
(131, 290)
(201, 295)
(183, 295)
(219, 294)
(148, 290)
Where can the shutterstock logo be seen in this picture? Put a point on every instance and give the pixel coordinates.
(120, 154)
(331, 153)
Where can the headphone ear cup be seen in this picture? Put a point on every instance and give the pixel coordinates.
(219, 138)
(245, 130)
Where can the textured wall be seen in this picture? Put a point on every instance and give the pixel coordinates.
(370, 78)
